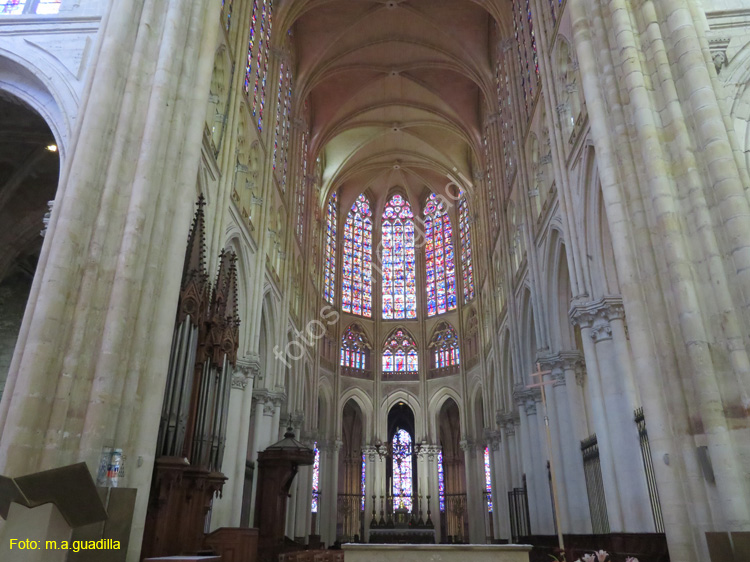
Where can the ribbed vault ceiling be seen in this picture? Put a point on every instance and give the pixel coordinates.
(395, 88)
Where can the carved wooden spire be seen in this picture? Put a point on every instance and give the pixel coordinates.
(195, 288)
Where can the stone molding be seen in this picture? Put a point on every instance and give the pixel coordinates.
(468, 445)
(562, 362)
(597, 316)
(494, 438)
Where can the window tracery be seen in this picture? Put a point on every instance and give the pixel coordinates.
(467, 266)
(402, 470)
(356, 290)
(355, 349)
(302, 185)
(283, 124)
(399, 269)
(440, 283)
(261, 58)
(444, 349)
(400, 353)
(329, 283)
(528, 61)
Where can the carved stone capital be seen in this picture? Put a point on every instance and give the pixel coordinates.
(468, 445)
(494, 438)
(249, 365)
(239, 381)
(597, 313)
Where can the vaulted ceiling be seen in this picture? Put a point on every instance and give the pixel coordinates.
(395, 88)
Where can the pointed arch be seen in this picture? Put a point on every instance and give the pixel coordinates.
(355, 357)
(398, 260)
(444, 351)
(400, 356)
(356, 285)
(467, 265)
(329, 273)
(440, 261)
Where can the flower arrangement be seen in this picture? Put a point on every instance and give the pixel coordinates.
(600, 556)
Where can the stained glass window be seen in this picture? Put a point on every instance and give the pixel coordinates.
(527, 54)
(226, 12)
(467, 267)
(441, 481)
(444, 347)
(364, 491)
(283, 124)
(355, 349)
(504, 93)
(491, 194)
(400, 353)
(250, 49)
(261, 61)
(488, 478)
(316, 479)
(402, 470)
(356, 290)
(329, 284)
(439, 258)
(399, 278)
(13, 7)
(302, 186)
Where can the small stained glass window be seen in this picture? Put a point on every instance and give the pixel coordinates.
(488, 478)
(355, 349)
(402, 470)
(400, 353)
(329, 285)
(441, 481)
(316, 479)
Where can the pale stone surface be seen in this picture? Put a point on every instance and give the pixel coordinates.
(433, 553)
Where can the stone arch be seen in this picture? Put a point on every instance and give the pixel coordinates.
(411, 399)
(364, 402)
(435, 406)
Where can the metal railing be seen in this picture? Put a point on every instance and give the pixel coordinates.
(648, 466)
(594, 485)
(520, 523)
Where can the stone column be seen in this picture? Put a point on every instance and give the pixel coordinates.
(370, 486)
(474, 496)
(98, 326)
(498, 464)
(618, 395)
(433, 489)
(227, 509)
(328, 504)
(574, 482)
(263, 414)
(527, 463)
(585, 319)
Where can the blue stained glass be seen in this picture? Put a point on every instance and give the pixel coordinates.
(316, 479)
(355, 349)
(399, 277)
(439, 259)
(356, 292)
(12, 7)
(329, 285)
(251, 44)
(441, 481)
(466, 261)
(364, 491)
(400, 353)
(488, 478)
(402, 470)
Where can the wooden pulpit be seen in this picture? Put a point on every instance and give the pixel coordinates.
(277, 467)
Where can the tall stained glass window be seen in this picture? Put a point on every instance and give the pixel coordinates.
(283, 124)
(504, 93)
(467, 267)
(488, 479)
(440, 260)
(14, 7)
(302, 186)
(316, 479)
(261, 60)
(400, 353)
(528, 60)
(355, 349)
(441, 480)
(364, 491)
(252, 42)
(399, 277)
(226, 12)
(329, 284)
(356, 290)
(402, 470)
(444, 347)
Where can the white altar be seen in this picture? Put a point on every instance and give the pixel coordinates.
(436, 553)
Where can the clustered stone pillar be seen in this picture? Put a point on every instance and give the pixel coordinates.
(91, 358)
(613, 399)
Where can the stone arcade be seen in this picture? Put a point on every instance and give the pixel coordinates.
(372, 221)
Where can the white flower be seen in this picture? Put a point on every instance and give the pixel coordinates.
(589, 558)
(631, 559)
(602, 555)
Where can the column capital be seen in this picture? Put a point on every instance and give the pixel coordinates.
(468, 445)
(494, 438)
(609, 308)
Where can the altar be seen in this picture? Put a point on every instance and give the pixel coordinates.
(402, 536)
(432, 552)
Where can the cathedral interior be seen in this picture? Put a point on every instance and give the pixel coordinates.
(311, 272)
